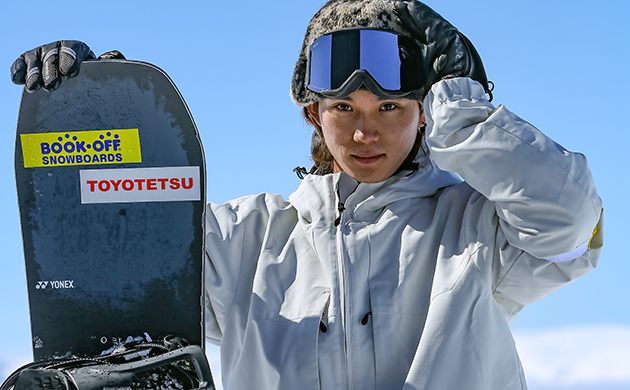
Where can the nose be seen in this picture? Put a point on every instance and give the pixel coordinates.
(366, 132)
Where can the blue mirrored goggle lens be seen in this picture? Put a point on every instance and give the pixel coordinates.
(379, 56)
(320, 64)
(335, 57)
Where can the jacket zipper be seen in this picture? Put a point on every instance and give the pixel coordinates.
(344, 294)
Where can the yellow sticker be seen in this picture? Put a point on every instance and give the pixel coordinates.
(93, 147)
(597, 240)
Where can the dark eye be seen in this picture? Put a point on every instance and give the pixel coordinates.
(343, 107)
(388, 107)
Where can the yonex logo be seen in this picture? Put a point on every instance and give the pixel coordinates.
(54, 284)
(41, 285)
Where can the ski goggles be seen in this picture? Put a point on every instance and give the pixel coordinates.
(341, 62)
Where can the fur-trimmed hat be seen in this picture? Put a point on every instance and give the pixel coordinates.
(335, 15)
(442, 43)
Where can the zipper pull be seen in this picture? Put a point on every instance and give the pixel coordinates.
(340, 208)
(366, 318)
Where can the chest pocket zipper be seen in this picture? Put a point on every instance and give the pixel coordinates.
(323, 321)
(366, 318)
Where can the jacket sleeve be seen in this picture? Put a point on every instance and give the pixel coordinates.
(543, 195)
(234, 237)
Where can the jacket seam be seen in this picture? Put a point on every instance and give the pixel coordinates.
(369, 296)
(491, 122)
(471, 253)
(285, 319)
(238, 276)
(490, 285)
(282, 319)
(400, 313)
(493, 289)
(479, 246)
(459, 278)
(496, 288)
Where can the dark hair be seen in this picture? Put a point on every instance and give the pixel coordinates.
(323, 161)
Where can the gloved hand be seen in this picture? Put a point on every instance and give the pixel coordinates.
(448, 53)
(46, 65)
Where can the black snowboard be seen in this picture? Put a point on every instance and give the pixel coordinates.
(111, 184)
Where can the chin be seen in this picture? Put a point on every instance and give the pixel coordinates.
(368, 177)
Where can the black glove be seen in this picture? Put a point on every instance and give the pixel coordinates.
(447, 52)
(45, 65)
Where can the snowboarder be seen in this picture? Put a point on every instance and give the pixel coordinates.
(386, 270)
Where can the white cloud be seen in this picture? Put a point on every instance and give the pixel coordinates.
(578, 357)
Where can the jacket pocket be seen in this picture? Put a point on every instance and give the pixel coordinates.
(277, 352)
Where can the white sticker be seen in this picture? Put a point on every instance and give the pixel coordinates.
(169, 184)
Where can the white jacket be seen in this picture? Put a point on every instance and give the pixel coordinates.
(417, 283)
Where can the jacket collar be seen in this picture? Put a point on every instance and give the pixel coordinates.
(317, 201)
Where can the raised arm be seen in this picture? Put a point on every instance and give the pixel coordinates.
(544, 195)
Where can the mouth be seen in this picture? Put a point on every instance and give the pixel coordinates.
(367, 159)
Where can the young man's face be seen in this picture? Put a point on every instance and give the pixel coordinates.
(368, 137)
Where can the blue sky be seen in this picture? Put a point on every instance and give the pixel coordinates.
(561, 65)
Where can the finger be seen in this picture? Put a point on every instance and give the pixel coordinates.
(112, 55)
(33, 78)
(71, 55)
(18, 71)
(50, 66)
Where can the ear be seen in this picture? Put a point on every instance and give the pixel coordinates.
(313, 112)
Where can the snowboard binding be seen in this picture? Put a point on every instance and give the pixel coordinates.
(171, 364)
